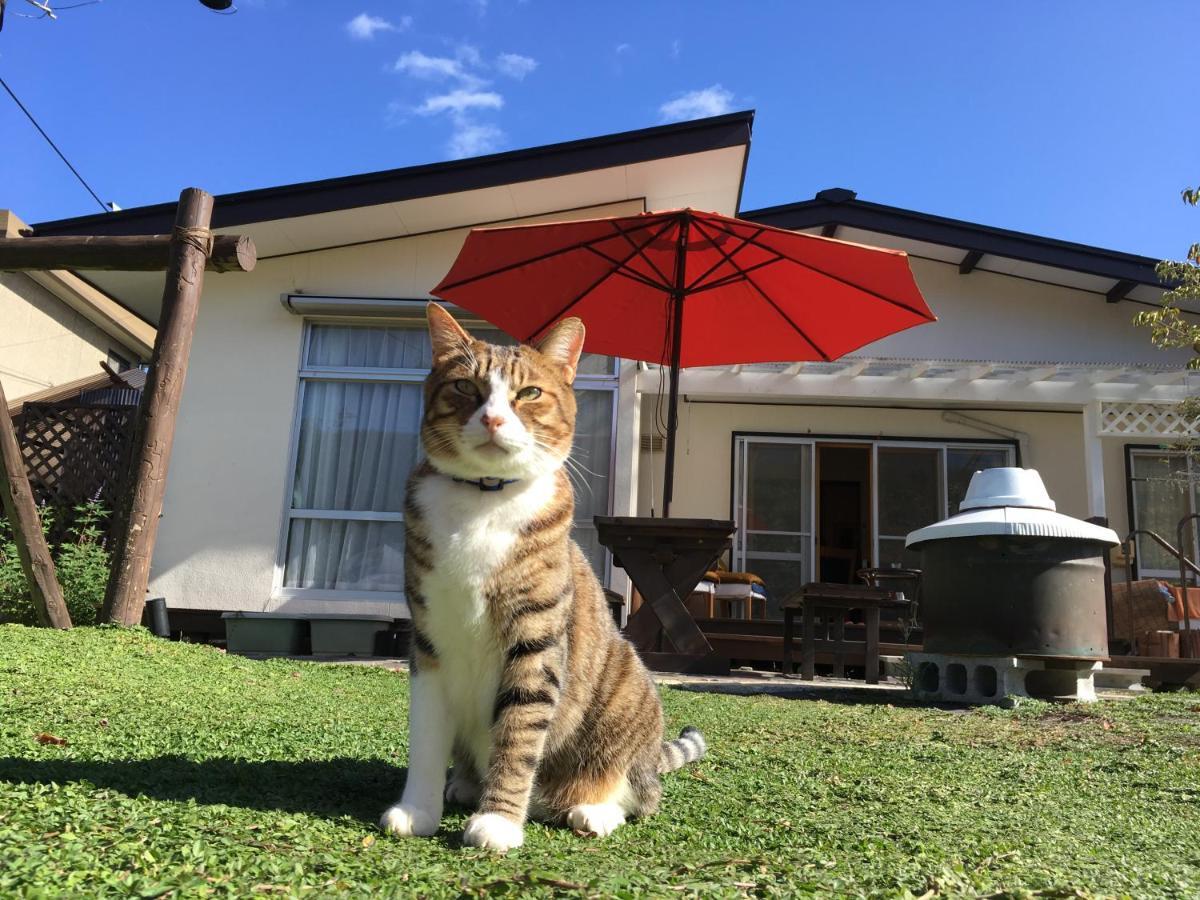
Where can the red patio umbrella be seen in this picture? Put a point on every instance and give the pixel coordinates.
(686, 288)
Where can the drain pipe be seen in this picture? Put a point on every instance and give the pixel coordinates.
(1021, 437)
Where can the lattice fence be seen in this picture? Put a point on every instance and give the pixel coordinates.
(1156, 420)
(75, 454)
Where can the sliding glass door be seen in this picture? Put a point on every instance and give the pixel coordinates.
(774, 514)
(776, 488)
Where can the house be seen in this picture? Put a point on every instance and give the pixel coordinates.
(299, 418)
(56, 328)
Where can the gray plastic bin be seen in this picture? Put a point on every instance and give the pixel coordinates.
(346, 635)
(258, 632)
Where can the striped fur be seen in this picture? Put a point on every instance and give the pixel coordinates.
(519, 674)
(688, 747)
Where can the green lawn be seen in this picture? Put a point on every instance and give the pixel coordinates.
(189, 773)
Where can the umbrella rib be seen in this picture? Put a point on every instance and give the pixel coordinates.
(693, 286)
(750, 281)
(542, 257)
(622, 269)
(595, 284)
(641, 251)
(829, 275)
(737, 276)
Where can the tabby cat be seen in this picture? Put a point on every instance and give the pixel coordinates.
(518, 672)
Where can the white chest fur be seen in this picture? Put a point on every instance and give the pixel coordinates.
(472, 533)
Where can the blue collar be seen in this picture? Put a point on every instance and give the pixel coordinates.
(488, 484)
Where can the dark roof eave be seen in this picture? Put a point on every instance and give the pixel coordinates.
(394, 185)
(966, 236)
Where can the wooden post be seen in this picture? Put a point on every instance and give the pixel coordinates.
(18, 505)
(137, 522)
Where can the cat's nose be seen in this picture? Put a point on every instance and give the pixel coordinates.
(492, 422)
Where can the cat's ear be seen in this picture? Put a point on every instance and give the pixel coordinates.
(446, 336)
(562, 346)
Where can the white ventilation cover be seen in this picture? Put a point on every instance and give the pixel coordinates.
(1028, 512)
(1006, 486)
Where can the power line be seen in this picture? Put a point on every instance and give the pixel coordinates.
(42, 132)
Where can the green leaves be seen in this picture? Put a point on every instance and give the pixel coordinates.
(80, 559)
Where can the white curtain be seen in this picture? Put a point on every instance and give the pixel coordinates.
(358, 441)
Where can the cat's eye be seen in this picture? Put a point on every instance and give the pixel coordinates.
(529, 393)
(465, 386)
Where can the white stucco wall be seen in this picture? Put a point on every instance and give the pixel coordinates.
(704, 457)
(43, 342)
(218, 539)
(985, 316)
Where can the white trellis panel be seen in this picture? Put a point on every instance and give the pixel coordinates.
(1145, 420)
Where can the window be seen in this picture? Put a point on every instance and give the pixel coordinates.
(909, 496)
(358, 437)
(790, 512)
(774, 514)
(1164, 490)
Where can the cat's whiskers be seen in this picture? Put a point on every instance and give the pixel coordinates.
(575, 471)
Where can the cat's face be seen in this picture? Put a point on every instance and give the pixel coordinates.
(499, 412)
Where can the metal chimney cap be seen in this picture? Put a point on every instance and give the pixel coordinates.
(1012, 502)
(1013, 521)
(991, 488)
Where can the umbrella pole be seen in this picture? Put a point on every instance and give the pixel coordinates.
(672, 417)
(677, 298)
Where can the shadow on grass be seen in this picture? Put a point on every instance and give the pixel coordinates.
(331, 788)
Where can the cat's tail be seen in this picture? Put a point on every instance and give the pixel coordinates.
(688, 747)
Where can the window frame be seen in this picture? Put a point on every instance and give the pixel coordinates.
(347, 374)
(1193, 468)
(741, 439)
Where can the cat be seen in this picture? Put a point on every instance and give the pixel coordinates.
(518, 671)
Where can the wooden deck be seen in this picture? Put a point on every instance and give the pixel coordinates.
(761, 641)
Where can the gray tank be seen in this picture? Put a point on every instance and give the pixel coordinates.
(1010, 576)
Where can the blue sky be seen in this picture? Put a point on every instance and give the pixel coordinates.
(1076, 120)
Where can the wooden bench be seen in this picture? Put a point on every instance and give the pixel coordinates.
(1166, 672)
(831, 602)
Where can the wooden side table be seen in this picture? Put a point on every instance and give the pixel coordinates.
(665, 559)
(831, 602)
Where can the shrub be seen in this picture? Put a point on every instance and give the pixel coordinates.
(80, 557)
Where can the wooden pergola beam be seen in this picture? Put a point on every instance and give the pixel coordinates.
(16, 498)
(125, 253)
(141, 507)
(185, 254)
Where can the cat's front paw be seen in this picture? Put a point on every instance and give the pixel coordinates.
(493, 832)
(408, 821)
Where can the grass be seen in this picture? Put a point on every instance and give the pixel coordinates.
(185, 772)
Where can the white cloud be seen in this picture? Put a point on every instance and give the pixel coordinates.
(363, 27)
(442, 68)
(469, 54)
(473, 138)
(676, 48)
(622, 49)
(418, 65)
(711, 101)
(460, 101)
(514, 65)
(463, 96)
